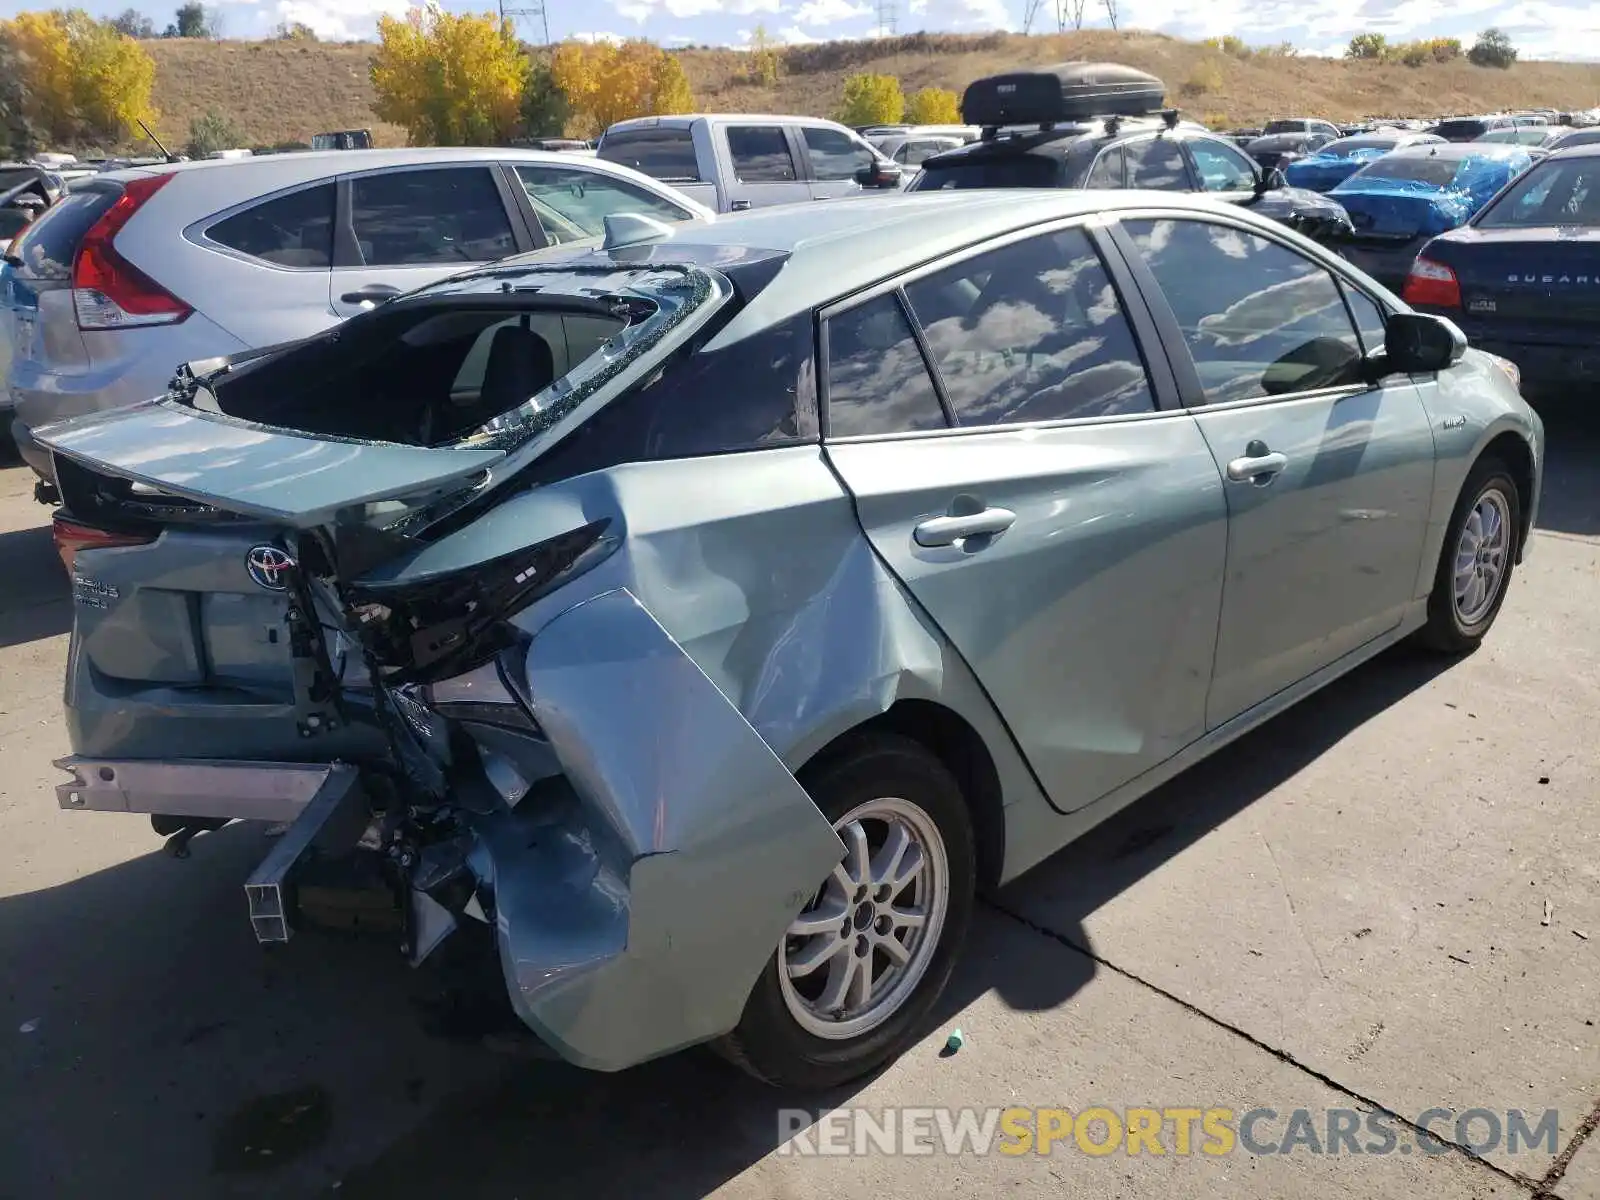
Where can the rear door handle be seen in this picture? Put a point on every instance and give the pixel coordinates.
(947, 531)
(1257, 468)
(372, 293)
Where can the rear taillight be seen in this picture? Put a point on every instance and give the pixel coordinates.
(73, 537)
(1432, 284)
(109, 292)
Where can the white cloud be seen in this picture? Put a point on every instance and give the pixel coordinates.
(614, 39)
(642, 10)
(793, 35)
(828, 12)
(340, 20)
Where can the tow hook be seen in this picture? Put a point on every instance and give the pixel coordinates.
(46, 493)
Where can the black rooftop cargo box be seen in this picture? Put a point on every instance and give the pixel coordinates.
(1060, 94)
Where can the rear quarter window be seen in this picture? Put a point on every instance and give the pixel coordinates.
(289, 231)
(49, 245)
(664, 154)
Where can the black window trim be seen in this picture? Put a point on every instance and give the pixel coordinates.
(347, 247)
(199, 232)
(1164, 392)
(1181, 363)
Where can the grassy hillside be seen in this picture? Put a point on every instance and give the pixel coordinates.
(285, 91)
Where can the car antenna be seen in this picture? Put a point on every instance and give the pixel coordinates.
(165, 153)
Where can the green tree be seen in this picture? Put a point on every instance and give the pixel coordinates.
(19, 138)
(130, 22)
(765, 62)
(1492, 49)
(211, 131)
(544, 106)
(191, 21)
(1372, 46)
(872, 100)
(294, 31)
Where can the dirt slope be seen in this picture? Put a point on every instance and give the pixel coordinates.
(285, 91)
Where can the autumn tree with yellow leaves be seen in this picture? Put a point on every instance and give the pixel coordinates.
(450, 79)
(933, 106)
(872, 100)
(81, 80)
(605, 83)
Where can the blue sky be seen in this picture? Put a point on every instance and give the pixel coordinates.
(1568, 29)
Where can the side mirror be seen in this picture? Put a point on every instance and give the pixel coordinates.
(1421, 343)
(880, 173)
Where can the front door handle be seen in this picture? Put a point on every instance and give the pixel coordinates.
(947, 531)
(1259, 469)
(739, 206)
(372, 293)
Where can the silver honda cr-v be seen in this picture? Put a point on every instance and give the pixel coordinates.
(140, 270)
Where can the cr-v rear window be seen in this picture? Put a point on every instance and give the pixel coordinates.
(47, 247)
(664, 154)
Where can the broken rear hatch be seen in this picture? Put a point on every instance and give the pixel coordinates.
(345, 449)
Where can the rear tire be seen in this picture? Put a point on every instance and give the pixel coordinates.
(909, 877)
(1476, 561)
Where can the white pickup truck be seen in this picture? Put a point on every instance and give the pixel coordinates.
(734, 161)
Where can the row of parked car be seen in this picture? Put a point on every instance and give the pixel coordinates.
(689, 614)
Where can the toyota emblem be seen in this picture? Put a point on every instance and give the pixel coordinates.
(269, 567)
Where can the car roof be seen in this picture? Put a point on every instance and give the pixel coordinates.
(1581, 150)
(225, 182)
(1460, 150)
(683, 120)
(839, 247)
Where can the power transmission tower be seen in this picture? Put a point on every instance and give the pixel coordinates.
(1029, 16)
(886, 18)
(1111, 12)
(530, 10)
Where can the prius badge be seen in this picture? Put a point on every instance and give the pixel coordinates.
(270, 567)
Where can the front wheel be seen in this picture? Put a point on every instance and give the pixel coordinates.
(860, 967)
(1476, 561)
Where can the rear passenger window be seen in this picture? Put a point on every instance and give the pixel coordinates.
(877, 379)
(1032, 331)
(448, 215)
(1259, 318)
(289, 231)
(760, 154)
(665, 154)
(1156, 163)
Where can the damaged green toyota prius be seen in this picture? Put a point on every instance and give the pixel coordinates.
(703, 618)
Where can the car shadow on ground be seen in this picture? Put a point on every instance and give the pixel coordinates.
(34, 597)
(160, 1017)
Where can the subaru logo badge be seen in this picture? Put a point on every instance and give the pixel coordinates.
(269, 567)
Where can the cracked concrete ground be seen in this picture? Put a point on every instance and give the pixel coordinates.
(1385, 901)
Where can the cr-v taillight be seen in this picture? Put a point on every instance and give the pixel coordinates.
(73, 536)
(109, 292)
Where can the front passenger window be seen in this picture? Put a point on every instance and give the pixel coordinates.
(1259, 318)
(1156, 163)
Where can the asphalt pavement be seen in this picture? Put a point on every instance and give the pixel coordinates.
(1381, 905)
